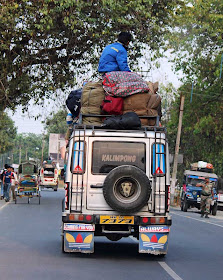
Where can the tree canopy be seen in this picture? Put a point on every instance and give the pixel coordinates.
(56, 123)
(197, 43)
(7, 132)
(44, 44)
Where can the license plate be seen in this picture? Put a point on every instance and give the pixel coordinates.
(127, 220)
(198, 199)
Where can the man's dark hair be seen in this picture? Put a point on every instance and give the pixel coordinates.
(124, 37)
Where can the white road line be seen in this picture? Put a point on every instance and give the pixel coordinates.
(200, 220)
(164, 265)
(4, 205)
(170, 271)
(134, 239)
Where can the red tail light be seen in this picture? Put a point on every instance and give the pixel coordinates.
(89, 217)
(145, 220)
(55, 171)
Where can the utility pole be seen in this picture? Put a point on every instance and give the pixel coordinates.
(20, 152)
(43, 144)
(174, 174)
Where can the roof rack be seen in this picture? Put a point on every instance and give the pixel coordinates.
(80, 124)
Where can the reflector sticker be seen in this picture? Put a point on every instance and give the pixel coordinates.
(79, 227)
(159, 166)
(79, 241)
(150, 242)
(154, 229)
(78, 158)
(78, 168)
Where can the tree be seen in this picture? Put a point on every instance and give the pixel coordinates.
(197, 43)
(57, 123)
(31, 147)
(44, 44)
(7, 133)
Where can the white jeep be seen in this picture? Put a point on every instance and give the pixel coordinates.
(117, 185)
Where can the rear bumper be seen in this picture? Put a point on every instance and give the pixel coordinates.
(97, 219)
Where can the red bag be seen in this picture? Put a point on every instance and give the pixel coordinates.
(112, 105)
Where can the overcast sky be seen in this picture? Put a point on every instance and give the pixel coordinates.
(25, 124)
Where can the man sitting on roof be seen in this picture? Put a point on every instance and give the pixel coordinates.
(114, 56)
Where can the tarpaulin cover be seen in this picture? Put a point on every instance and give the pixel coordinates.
(122, 84)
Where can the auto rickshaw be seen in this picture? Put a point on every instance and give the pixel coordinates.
(28, 181)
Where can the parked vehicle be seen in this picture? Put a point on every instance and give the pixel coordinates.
(49, 176)
(220, 193)
(28, 181)
(117, 185)
(191, 194)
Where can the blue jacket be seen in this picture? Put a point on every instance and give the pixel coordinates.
(113, 58)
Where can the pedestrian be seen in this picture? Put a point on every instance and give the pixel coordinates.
(114, 56)
(1, 179)
(206, 197)
(7, 177)
(14, 182)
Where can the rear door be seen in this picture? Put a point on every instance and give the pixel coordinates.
(103, 157)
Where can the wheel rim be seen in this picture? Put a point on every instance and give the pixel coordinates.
(127, 190)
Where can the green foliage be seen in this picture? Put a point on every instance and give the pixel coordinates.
(7, 133)
(31, 147)
(202, 129)
(45, 44)
(57, 123)
(197, 43)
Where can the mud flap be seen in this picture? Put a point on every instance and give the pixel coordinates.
(153, 239)
(79, 238)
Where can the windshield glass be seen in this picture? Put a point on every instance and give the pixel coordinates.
(193, 180)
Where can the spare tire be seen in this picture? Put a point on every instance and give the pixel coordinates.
(126, 189)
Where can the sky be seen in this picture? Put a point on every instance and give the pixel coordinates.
(27, 124)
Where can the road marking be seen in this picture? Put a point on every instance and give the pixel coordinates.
(170, 271)
(4, 205)
(206, 222)
(164, 265)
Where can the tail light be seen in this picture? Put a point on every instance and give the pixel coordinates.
(55, 171)
(157, 220)
(153, 221)
(80, 218)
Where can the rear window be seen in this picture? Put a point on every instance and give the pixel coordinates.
(27, 169)
(108, 155)
(48, 172)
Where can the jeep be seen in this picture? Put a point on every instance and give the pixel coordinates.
(117, 185)
(191, 194)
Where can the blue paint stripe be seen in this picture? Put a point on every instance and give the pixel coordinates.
(163, 157)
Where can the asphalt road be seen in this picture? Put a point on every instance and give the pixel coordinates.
(30, 247)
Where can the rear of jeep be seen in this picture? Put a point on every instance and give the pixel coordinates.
(117, 185)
